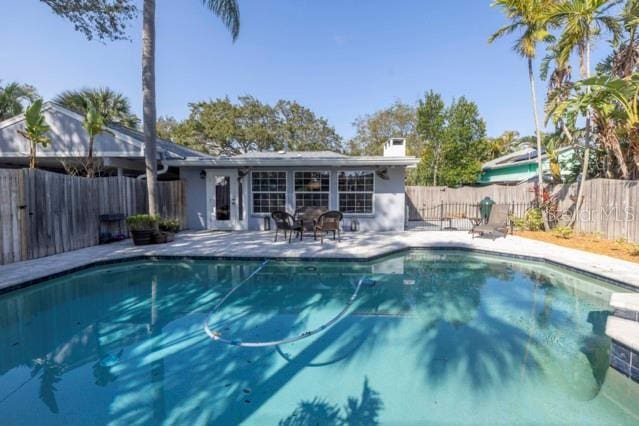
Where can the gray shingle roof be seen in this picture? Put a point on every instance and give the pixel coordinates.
(291, 154)
(172, 150)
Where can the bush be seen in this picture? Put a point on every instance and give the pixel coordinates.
(532, 221)
(169, 225)
(634, 250)
(563, 232)
(141, 222)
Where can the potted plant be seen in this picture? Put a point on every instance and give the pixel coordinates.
(143, 228)
(168, 229)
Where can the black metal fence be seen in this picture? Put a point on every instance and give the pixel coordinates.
(456, 216)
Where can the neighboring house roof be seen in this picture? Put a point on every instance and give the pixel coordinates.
(524, 156)
(70, 140)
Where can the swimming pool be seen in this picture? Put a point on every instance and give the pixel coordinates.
(432, 336)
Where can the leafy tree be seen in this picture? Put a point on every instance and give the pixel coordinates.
(13, 97)
(167, 127)
(35, 130)
(299, 129)
(223, 127)
(113, 107)
(529, 17)
(463, 148)
(228, 11)
(104, 19)
(431, 127)
(373, 130)
(503, 144)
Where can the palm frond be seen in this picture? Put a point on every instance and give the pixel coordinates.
(228, 11)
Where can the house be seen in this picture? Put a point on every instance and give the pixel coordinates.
(239, 192)
(119, 149)
(521, 166)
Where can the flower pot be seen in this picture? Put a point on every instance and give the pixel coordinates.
(143, 237)
(163, 237)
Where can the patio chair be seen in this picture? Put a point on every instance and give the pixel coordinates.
(328, 222)
(307, 216)
(497, 222)
(287, 223)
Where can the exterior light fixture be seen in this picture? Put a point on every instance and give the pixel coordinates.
(203, 174)
(355, 225)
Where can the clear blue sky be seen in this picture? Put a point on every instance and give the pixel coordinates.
(341, 58)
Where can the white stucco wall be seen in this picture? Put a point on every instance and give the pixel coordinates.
(389, 201)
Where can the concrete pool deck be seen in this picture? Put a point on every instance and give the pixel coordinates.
(353, 246)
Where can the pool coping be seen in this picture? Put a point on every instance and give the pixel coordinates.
(447, 246)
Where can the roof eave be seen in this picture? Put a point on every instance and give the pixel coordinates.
(409, 162)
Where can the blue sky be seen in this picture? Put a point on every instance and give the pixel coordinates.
(341, 58)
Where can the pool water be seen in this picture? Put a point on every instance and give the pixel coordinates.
(433, 336)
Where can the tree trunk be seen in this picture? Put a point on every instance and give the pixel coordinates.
(32, 155)
(148, 100)
(584, 170)
(540, 170)
(90, 170)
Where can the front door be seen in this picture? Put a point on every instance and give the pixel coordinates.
(222, 199)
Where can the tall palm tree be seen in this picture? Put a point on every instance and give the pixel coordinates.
(113, 106)
(528, 16)
(229, 12)
(13, 97)
(582, 21)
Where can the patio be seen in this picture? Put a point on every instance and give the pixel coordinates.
(353, 246)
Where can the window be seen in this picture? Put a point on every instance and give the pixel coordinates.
(356, 190)
(312, 189)
(269, 191)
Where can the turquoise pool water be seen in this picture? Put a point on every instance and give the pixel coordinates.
(441, 337)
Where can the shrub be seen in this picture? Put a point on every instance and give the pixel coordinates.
(141, 222)
(169, 225)
(563, 232)
(532, 221)
(634, 250)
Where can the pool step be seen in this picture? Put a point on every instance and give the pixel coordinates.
(624, 350)
(626, 305)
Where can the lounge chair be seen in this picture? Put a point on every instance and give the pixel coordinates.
(497, 222)
(286, 223)
(328, 222)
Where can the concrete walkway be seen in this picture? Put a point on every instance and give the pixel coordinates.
(353, 246)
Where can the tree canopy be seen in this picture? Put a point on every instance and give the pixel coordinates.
(14, 97)
(224, 127)
(101, 19)
(112, 106)
(455, 142)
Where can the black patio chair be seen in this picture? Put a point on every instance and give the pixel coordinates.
(288, 224)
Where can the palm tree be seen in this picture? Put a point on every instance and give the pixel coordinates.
(582, 21)
(229, 12)
(13, 96)
(35, 130)
(528, 16)
(94, 125)
(114, 107)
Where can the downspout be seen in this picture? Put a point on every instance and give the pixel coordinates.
(161, 171)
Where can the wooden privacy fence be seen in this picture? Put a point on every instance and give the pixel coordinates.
(43, 213)
(610, 207)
